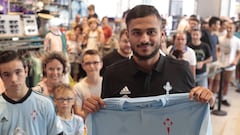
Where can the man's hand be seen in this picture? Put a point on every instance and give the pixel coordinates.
(92, 104)
(202, 94)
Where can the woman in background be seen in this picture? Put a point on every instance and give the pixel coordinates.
(54, 66)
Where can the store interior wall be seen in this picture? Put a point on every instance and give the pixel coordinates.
(216, 8)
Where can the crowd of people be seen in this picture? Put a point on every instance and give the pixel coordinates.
(216, 46)
(92, 61)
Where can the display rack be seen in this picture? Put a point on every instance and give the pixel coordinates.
(18, 26)
(21, 43)
(10, 25)
(30, 25)
(19, 29)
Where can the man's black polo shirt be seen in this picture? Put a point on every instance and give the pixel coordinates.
(126, 79)
(112, 58)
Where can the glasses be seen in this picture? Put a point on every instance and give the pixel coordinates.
(31, 30)
(61, 100)
(13, 26)
(13, 21)
(2, 21)
(14, 31)
(30, 21)
(2, 32)
(91, 63)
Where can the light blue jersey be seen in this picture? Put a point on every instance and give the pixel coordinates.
(172, 114)
(74, 126)
(33, 115)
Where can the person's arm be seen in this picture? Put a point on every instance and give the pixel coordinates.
(237, 58)
(193, 62)
(101, 38)
(200, 64)
(78, 110)
(208, 60)
(218, 52)
(79, 101)
(193, 69)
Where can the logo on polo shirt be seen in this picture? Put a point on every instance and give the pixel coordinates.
(4, 119)
(125, 91)
(167, 87)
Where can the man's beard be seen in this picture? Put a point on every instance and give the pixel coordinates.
(141, 57)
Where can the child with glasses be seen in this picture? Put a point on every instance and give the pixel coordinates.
(64, 99)
(91, 62)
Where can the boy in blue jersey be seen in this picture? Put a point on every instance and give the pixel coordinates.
(64, 99)
(148, 71)
(22, 111)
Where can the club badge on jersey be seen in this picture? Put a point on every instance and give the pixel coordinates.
(167, 87)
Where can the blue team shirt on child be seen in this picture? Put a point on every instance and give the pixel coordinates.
(172, 114)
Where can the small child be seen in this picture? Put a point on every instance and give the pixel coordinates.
(64, 100)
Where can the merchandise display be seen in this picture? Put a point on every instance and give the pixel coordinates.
(16, 26)
(19, 32)
(22, 25)
(10, 25)
(30, 25)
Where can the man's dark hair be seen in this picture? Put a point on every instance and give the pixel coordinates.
(142, 11)
(10, 55)
(178, 54)
(78, 26)
(91, 7)
(194, 19)
(222, 21)
(193, 16)
(213, 20)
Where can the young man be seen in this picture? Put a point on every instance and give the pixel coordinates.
(229, 55)
(193, 23)
(203, 56)
(122, 53)
(214, 25)
(91, 84)
(148, 72)
(22, 111)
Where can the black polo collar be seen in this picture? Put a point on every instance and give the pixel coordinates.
(158, 66)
